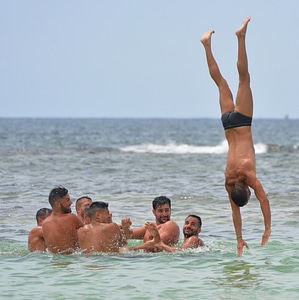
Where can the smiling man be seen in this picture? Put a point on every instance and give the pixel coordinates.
(60, 228)
(168, 230)
(191, 230)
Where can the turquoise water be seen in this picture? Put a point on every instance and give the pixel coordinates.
(127, 163)
(213, 272)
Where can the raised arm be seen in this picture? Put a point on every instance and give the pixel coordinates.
(153, 230)
(169, 232)
(132, 233)
(149, 245)
(159, 245)
(125, 226)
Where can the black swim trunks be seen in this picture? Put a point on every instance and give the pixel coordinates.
(234, 119)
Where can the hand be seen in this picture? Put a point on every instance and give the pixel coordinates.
(158, 247)
(265, 236)
(152, 228)
(126, 223)
(241, 244)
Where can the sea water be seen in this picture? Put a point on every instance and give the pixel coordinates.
(127, 163)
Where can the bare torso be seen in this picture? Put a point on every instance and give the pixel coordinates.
(191, 242)
(240, 157)
(100, 237)
(36, 240)
(60, 232)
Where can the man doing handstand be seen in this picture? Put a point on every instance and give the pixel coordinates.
(240, 173)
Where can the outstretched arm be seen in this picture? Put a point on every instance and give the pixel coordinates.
(265, 208)
(237, 220)
(163, 247)
(148, 246)
(132, 233)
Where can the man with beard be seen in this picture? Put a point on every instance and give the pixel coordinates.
(191, 230)
(60, 228)
(169, 230)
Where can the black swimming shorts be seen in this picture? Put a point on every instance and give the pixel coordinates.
(234, 119)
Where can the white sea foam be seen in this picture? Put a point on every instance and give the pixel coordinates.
(260, 148)
(186, 149)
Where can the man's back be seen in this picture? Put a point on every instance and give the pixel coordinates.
(99, 237)
(36, 240)
(60, 232)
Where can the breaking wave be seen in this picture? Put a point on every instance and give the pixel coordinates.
(173, 148)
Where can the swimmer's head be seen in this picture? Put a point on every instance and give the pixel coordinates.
(240, 194)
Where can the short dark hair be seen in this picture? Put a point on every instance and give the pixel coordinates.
(83, 197)
(96, 206)
(239, 195)
(197, 217)
(161, 200)
(42, 212)
(86, 210)
(56, 194)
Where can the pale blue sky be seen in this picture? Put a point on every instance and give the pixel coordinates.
(140, 58)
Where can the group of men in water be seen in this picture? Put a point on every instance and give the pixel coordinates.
(240, 175)
(92, 230)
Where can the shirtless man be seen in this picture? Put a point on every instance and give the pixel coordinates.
(36, 241)
(169, 230)
(60, 228)
(191, 230)
(81, 204)
(240, 173)
(101, 235)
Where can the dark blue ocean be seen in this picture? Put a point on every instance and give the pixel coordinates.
(128, 162)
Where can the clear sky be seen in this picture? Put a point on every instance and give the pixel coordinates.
(142, 58)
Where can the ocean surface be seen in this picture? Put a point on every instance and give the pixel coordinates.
(128, 162)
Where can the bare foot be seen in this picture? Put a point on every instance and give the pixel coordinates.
(242, 30)
(206, 38)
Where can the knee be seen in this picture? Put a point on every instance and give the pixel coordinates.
(223, 84)
(244, 78)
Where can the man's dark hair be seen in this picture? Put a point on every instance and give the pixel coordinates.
(96, 206)
(240, 195)
(83, 197)
(42, 212)
(56, 194)
(197, 217)
(158, 201)
(86, 210)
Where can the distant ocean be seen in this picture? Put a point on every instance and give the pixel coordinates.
(128, 162)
